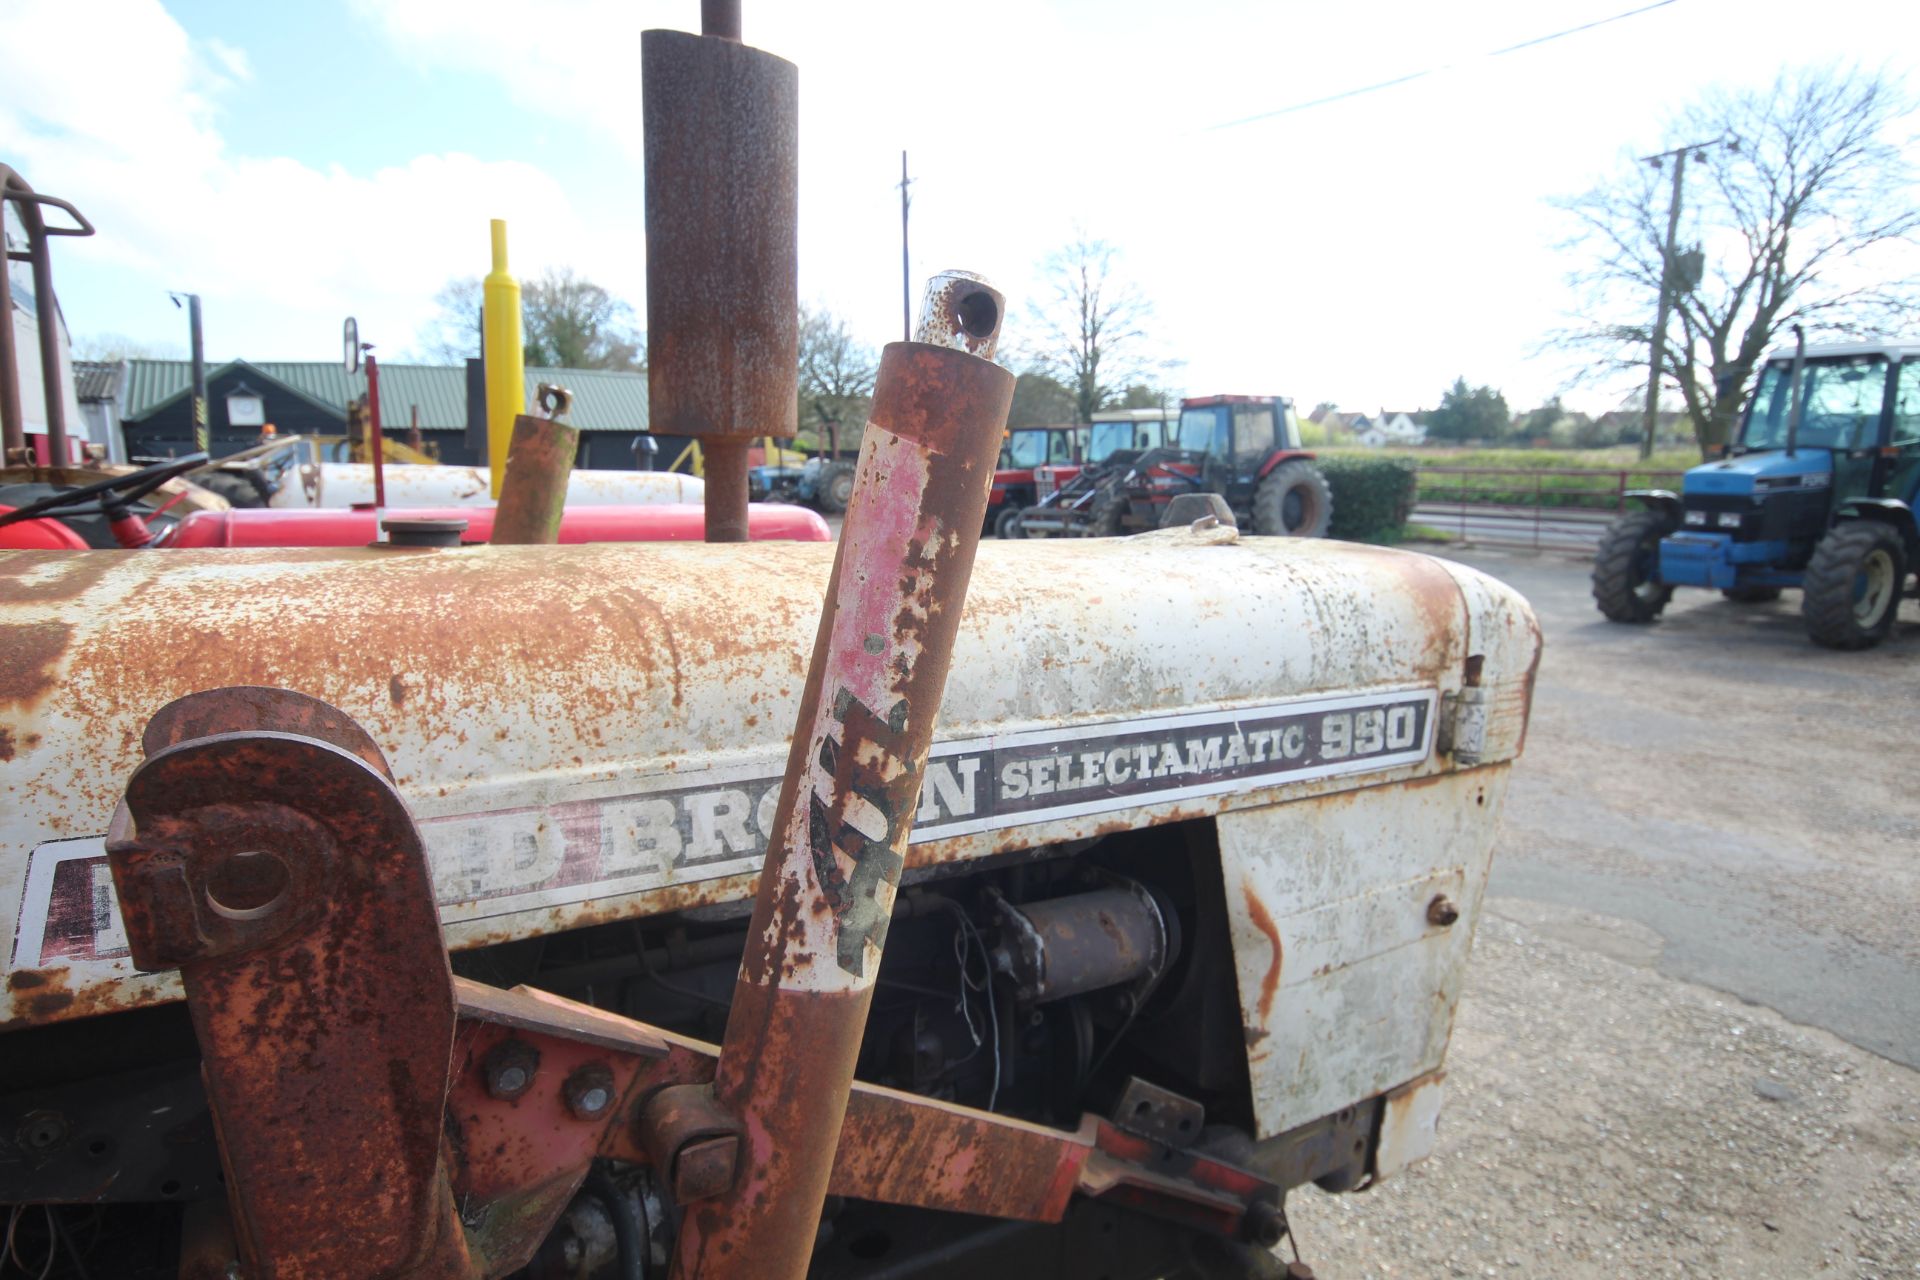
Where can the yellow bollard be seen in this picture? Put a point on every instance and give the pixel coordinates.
(506, 372)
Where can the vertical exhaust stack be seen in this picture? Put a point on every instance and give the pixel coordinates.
(867, 713)
(721, 128)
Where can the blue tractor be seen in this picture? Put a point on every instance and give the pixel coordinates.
(1818, 491)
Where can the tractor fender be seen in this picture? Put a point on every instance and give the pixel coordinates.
(1281, 456)
(1890, 511)
(1665, 501)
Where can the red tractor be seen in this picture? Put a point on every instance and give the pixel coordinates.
(1014, 487)
(1244, 448)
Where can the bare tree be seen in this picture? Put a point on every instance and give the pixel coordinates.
(1801, 217)
(1091, 325)
(836, 376)
(118, 346)
(453, 335)
(566, 321)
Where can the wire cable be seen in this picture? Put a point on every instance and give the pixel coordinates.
(1445, 66)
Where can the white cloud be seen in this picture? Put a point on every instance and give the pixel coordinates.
(279, 250)
(233, 60)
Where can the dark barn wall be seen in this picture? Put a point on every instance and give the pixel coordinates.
(167, 432)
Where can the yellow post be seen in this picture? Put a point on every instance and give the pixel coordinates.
(506, 372)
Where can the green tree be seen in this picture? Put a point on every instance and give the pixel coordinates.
(1091, 324)
(1469, 413)
(1040, 400)
(566, 321)
(1803, 218)
(1539, 423)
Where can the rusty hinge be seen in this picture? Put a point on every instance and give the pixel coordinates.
(1463, 725)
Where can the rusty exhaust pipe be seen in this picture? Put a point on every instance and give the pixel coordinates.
(873, 691)
(533, 497)
(721, 137)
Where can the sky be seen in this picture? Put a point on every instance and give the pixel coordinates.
(305, 160)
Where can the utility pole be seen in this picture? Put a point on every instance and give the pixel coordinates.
(199, 351)
(906, 272)
(1658, 354)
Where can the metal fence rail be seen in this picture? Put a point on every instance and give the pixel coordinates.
(1546, 510)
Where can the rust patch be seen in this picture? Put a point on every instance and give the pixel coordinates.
(1263, 921)
(77, 573)
(30, 650)
(396, 690)
(6, 743)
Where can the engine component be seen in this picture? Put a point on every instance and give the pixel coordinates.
(1066, 946)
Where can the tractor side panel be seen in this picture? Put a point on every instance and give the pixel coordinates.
(1353, 918)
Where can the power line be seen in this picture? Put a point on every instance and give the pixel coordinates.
(1416, 75)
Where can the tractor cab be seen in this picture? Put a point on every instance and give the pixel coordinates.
(1816, 492)
(1025, 450)
(1245, 448)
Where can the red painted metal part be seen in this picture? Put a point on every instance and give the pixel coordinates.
(38, 535)
(269, 527)
(867, 713)
(373, 430)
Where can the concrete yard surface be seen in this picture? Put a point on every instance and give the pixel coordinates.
(1687, 1039)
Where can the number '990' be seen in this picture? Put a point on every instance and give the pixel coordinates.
(1367, 732)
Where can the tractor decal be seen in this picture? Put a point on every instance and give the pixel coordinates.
(493, 864)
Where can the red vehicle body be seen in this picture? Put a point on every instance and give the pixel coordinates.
(1014, 486)
(267, 527)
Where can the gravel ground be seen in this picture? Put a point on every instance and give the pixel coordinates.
(1741, 807)
(1603, 1120)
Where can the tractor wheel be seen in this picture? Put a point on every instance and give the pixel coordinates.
(1007, 523)
(836, 487)
(1625, 584)
(1752, 595)
(1851, 592)
(1293, 502)
(240, 490)
(1109, 514)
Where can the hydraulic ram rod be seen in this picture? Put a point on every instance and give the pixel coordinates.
(866, 721)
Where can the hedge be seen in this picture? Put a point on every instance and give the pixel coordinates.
(1372, 495)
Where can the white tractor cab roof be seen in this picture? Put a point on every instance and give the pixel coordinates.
(1840, 350)
(1137, 415)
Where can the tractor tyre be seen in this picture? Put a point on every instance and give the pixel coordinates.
(243, 489)
(1109, 513)
(1752, 595)
(836, 487)
(1293, 501)
(1007, 523)
(1851, 592)
(1625, 569)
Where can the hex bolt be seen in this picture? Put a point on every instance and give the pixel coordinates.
(1441, 911)
(509, 1068)
(1266, 1225)
(43, 1131)
(588, 1092)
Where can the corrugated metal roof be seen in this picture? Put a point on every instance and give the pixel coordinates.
(603, 399)
(95, 380)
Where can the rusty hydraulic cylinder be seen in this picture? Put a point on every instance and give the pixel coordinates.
(720, 122)
(867, 713)
(539, 463)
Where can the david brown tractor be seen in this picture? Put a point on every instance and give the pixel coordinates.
(1244, 448)
(1817, 492)
(436, 911)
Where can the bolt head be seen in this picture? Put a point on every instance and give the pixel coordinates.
(1441, 911)
(509, 1069)
(588, 1092)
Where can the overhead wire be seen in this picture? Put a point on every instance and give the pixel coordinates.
(1427, 71)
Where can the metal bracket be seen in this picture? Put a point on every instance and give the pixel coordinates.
(379, 1117)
